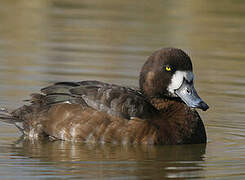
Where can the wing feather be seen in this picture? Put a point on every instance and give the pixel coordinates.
(114, 99)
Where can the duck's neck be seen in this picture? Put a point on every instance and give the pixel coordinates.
(166, 104)
(170, 111)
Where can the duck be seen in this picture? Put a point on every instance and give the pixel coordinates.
(162, 111)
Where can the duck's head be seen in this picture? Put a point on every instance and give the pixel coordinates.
(168, 74)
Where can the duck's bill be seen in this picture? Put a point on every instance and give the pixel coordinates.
(189, 95)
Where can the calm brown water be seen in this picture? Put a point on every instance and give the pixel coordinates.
(45, 41)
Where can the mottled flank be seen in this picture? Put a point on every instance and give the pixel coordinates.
(97, 112)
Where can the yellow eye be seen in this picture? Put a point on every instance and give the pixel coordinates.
(168, 68)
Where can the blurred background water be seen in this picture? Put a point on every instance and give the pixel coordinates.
(45, 41)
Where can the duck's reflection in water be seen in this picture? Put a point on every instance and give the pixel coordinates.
(108, 160)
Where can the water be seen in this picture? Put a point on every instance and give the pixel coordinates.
(57, 40)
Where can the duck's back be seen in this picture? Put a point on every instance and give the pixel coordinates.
(113, 99)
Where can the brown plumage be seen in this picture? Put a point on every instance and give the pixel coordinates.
(97, 112)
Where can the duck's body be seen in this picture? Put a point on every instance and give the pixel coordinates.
(97, 112)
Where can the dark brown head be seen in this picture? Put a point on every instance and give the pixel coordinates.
(168, 73)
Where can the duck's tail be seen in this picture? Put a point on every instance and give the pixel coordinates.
(7, 117)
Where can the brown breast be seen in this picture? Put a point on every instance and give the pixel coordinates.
(178, 123)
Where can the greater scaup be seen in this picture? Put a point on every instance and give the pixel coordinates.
(160, 112)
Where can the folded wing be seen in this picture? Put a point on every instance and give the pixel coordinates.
(110, 98)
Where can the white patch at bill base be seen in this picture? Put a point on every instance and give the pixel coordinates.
(177, 80)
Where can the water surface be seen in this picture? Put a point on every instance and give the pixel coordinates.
(57, 40)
